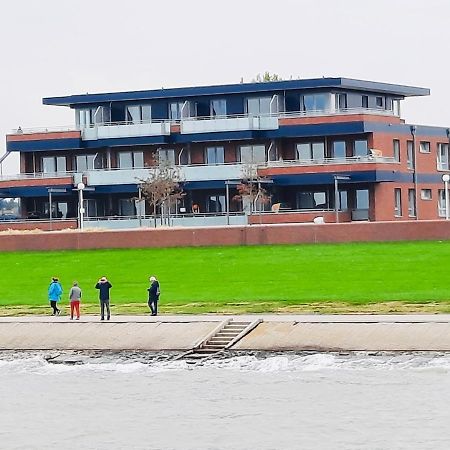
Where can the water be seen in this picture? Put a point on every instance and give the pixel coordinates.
(252, 401)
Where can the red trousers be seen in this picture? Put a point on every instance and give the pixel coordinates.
(75, 305)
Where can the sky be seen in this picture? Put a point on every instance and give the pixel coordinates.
(52, 48)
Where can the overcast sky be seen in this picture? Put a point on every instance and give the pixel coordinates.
(53, 47)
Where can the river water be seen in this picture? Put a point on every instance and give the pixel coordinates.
(248, 401)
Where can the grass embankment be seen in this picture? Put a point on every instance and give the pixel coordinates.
(363, 277)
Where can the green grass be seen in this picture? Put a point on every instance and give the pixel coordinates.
(256, 279)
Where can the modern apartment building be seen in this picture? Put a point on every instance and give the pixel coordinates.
(335, 148)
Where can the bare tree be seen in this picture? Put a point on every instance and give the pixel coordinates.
(250, 188)
(162, 189)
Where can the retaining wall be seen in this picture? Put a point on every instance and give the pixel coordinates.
(232, 235)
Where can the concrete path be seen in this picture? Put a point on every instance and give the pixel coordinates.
(298, 318)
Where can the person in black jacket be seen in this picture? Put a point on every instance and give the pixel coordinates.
(104, 286)
(153, 295)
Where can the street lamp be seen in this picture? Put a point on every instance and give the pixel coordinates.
(80, 188)
(337, 200)
(446, 179)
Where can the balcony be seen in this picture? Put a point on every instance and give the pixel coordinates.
(36, 179)
(228, 123)
(114, 130)
(107, 177)
(328, 166)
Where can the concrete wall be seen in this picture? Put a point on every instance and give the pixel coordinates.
(233, 235)
(103, 336)
(279, 336)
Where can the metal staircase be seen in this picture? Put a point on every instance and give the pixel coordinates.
(223, 337)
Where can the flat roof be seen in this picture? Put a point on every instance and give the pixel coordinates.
(239, 88)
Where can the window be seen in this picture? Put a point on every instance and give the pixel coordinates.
(258, 105)
(311, 151)
(441, 202)
(362, 199)
(341, 101)
(52, 164)
(252, 153)
(216, 203)
(398, 202)
(425, 194)
(138, 113)
(314, 102)
(365, 101)
(127, 207)
(425, 147)
(379, 102)
(130, 160)
(396, 107)
(339, 149)
(215, 155)
(88, 162)
(175, 110)
(360, 148)
(166, 157)
(87, 117)
(396, 150)
(343, 200)
(442, 157)
(312, 200)
(389, 104)
(410, 155)
(218, 107)
(411, 203)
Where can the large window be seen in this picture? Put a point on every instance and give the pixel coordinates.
(360, 148)
(398, 202)
(308, 151)
(341, 101)
(252, 154)
(396, 144)
(216, 203)
(166, 157)
(411, 203)
(312, 200)
(127, 207)
(365, 101)
(314, 102)
(258, 105)
(88, 162)
(441, 202)
(52, 164)
(87, 117)
(175, 110)
(410, 154)
(138, 113)
(362, 199)
(215, 155)
(442, 157)
(339, 149)
(130, 160)
(218, 107)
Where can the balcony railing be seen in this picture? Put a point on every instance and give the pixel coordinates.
(200, 123)
(35, 176)
(329, 161)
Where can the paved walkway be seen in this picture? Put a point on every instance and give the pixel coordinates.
(301, 318)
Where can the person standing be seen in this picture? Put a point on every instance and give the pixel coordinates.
(75, 298)
(54, 295)
(104, 286)
(153, 295)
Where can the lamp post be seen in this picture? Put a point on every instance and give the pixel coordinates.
(80, 188)
(446, 179)
(337, 200)
(413, 130)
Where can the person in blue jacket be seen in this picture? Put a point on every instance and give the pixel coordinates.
(54, 295)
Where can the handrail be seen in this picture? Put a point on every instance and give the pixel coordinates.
(35, 175)
(279, 115)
